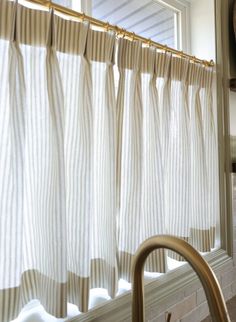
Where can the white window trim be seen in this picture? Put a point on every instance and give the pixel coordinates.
(165, 287)
(82, 6)
(182, 9)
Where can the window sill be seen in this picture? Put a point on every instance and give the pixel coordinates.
(168, 287)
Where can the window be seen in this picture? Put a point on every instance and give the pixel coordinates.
(163, 21)
(149, 19)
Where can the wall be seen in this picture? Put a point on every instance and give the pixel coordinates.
(202, 36)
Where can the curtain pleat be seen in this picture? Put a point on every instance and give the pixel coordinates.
(164, 87)
(100, 51)
(85, 175)
(129, 56)
(210, 140)
(152, 198)
(178, 175)
(199, 222)
(12, 140)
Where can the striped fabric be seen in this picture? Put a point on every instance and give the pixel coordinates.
(141, 177)
(200, 219)
(87, 175)
(178, 166)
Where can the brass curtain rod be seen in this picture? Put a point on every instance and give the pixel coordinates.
(119, 31)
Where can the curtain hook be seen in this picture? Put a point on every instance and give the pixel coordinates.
(117, 31)
(212, 64)
(133, 35)
(107, 25)
(165, 48)
(123, 33)
(50, 7)
(82, 17)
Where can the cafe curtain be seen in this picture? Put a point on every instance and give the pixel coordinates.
(95, 161)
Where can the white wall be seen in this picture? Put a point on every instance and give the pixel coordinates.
(202, 36)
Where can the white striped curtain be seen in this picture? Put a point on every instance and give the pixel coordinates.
(178, 161)
(85, 175)
(141, 209)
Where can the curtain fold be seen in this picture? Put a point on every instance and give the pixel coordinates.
(199, 222)
(152, 199)
(85, 175)
(77, 83)
(178, 175)
(129, 63)
(100, 51)
(210, 141)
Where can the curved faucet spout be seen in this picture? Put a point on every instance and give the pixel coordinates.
(210, 284)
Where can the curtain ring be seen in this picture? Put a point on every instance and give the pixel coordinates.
(149, 42)
(117, 31)
(212, 64)
(50, 7)
(194, 59)
(82, 17)
(133, 35)
(123, 33)
(107, 25)
(165, 48)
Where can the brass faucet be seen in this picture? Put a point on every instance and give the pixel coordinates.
(207, 277)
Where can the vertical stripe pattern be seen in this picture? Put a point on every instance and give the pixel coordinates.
(177, 175)
(85, 175)
(130, 181)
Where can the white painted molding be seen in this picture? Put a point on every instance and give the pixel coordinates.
(182, 9)
(156, 291)
(222, 78)
(82, 6)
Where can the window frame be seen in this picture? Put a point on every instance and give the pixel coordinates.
(182, 9)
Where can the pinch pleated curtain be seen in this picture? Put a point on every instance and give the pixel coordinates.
(58, 218)
(178, 160)
(141, 208)
(201, 201)
(87, 174)
(191, 170)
